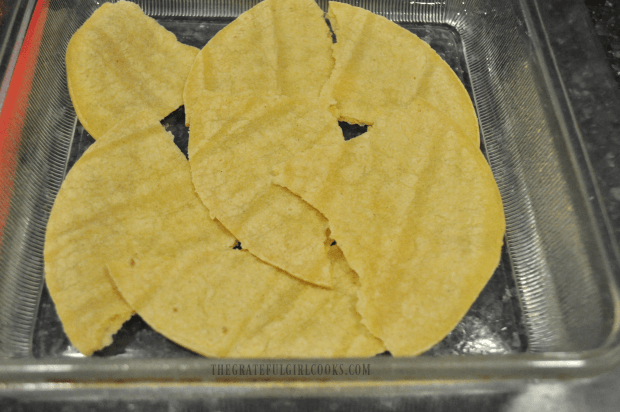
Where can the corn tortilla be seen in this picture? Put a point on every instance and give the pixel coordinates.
(230, 304)
(415, 209)
(125, 192)
(381, 67)
(280, 47)
(121, 61)
(234, 142)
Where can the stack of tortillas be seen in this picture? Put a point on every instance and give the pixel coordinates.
(349, 248)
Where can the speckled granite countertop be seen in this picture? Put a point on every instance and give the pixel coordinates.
(605, 15)
(605, 151)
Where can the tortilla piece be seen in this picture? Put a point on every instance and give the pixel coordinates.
(126, 192)
(381, 67)
(121, 61)
(416, 211)
(280, 47)
(234, 142)
(230, 304)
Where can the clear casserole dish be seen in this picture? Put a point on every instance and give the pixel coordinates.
(550, 310)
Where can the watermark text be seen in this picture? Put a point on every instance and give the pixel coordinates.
(291, 369)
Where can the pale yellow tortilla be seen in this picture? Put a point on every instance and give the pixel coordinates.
(230, 304)
(122, 62)
(381, 67)
(415, 209)
(280, 47)
(131, 190)
(234, 142)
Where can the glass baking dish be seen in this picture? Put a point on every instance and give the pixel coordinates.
(550, 310)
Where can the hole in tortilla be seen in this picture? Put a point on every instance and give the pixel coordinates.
(351, 131)
(175, 124)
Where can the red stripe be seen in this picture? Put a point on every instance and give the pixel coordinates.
(15, 106)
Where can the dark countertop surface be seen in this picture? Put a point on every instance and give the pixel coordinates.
(605, 15)
(605, 20)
